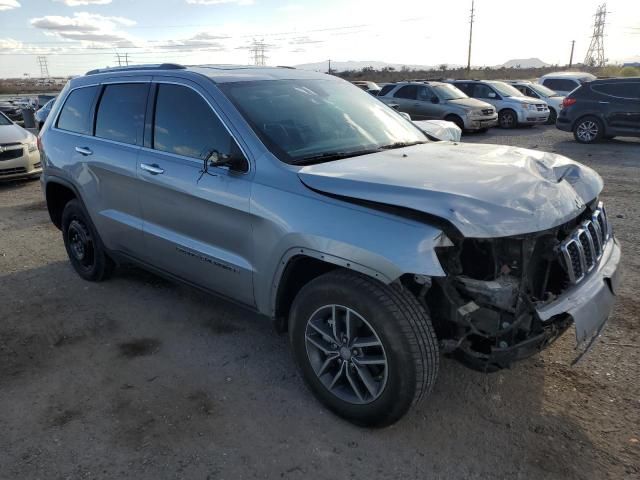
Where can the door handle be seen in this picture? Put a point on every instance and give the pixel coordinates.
(152, 169)
(84, 151)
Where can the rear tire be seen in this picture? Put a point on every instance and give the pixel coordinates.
(588, 129)
(388, 326)
(85, 250)
(553, 116)
(507, 118)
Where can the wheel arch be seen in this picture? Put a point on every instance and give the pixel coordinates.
(58, 192)
(597, 115)
(298, 267)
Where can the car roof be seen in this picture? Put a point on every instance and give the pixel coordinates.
(568, 75)
(217, 73)
(615, 80)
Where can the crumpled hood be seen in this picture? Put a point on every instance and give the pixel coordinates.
(486, 191)
(13, 134)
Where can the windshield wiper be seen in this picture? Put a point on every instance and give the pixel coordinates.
(330, 156)
(391, 146)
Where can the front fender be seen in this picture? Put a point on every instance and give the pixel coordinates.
(374, 243)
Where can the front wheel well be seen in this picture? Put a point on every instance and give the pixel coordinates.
(299, 271)
(57, 196)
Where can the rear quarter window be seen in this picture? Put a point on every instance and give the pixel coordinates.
(560, 84)
(76, 112)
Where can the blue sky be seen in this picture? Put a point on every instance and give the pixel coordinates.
(77, 35)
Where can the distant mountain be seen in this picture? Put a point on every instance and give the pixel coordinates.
(359, 65)
(524, 63)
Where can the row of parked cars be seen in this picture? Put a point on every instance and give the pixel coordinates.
(576, 102)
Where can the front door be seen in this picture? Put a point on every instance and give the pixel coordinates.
(621, 102)
(197, 224)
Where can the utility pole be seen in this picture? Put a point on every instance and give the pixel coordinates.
(573, 44)
(595, 55)
(329, 72)
(470, 35)
(44, 69)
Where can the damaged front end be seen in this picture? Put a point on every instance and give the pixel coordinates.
(487, 310)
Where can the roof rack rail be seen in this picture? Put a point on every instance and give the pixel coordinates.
(156, 66)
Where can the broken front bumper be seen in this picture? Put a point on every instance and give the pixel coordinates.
(589, 302)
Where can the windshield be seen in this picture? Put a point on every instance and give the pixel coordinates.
(319, 120)
(506, 90)
(4, 120)
(449, 92)
(542, 90)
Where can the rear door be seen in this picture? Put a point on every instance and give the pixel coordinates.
(426, 108)
(407, 99)
(621, 102)
(103, 130)
(197, 224)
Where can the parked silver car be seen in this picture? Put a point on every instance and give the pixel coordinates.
(513, 107)
(535, 90)
(309, 201)
(19, 155)
(439, 101)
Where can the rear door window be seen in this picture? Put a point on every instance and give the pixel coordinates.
(76, 112)
(386, 89)
(186, 125)
(619, 90)
(408, 91)
(121, 112)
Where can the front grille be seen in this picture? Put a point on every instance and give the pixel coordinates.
(487, 111)
(582, 250)
(541, 107)
(12, 171)
(11, 153)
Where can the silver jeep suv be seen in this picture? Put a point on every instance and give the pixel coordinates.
(307, 200)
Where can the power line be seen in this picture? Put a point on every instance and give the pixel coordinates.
(595, 55)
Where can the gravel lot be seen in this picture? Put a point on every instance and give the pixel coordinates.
(141, 378)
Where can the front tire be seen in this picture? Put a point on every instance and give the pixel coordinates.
(588, 129)
(366, 350)
(507, 119)
(553, 116)
(84, 248)
(457, 120)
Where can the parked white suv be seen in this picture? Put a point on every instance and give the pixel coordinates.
(565, 82)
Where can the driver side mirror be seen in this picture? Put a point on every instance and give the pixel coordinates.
(435, 99)
(233, 161)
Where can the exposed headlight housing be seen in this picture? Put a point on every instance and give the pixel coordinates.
(32, 147)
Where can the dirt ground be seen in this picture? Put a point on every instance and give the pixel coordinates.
(145, 379)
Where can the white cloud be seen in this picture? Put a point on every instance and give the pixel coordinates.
(87, 27)
(220, 2)
(9, 4)
(78, 3)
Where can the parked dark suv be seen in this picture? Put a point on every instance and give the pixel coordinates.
(602, 109)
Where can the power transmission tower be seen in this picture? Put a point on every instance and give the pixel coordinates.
(471, 19)
(122, 59)
(257, 53)
(44, 69)
(595, 55)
